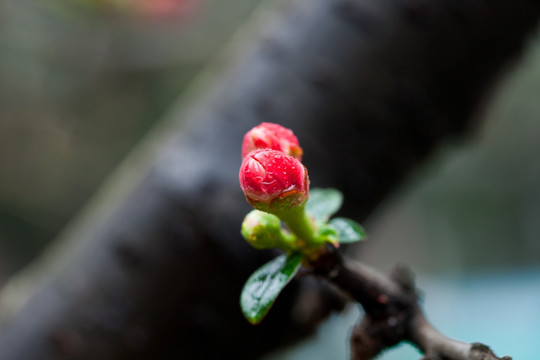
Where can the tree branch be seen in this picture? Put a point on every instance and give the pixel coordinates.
(436, 346)
(153, 269)
(392, 313)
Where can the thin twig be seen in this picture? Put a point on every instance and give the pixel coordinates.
(392, 313)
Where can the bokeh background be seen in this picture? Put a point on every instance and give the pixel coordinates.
(82, 82)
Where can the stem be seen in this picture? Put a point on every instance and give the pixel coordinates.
(287, 241)
(301, 225)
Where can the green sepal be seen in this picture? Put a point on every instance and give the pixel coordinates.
(323, 203)
(349, 230)
(264, 285)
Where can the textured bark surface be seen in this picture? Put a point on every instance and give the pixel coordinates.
(392, 313)
(369, 87)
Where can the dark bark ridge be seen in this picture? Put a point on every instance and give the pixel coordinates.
(392, 313)
(370, 88)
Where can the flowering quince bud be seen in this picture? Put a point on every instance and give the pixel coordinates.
(273, 181)
(271, 136)
(262, 230)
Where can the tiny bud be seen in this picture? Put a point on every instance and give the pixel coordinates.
(328, 233)
(262, 230)
(273, 181)
(271, 136)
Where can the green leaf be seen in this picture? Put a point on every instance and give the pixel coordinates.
(349, 230)
(328, 233)
(265, 284)
(323, 203)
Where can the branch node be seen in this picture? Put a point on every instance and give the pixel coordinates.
(404, 277)
(480, 351)
(329, 264)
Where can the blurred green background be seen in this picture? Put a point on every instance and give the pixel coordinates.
(81, 82)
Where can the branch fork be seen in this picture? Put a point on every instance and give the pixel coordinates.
(392, 312)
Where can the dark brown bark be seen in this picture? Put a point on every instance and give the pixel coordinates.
(370, 88)
(392, 313)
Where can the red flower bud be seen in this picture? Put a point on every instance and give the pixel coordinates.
(273, 181)
(271, 136)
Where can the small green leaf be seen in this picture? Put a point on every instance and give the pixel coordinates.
(323, 203)
(328, 233)
(349, 230)
(265, 284)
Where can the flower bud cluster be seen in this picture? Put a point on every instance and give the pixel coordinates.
(271, 175)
